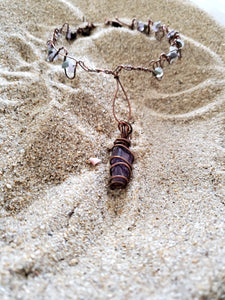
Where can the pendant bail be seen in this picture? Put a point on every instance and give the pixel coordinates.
(125, 128)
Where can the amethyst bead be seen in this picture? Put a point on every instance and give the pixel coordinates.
(121, 164)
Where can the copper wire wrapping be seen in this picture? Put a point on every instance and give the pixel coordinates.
(121, 159)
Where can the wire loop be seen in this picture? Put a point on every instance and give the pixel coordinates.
(125, 128)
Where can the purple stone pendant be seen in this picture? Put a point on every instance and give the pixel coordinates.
(121, 159)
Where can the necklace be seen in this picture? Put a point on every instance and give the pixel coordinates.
(122, 158)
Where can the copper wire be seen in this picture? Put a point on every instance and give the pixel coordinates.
(118, 83)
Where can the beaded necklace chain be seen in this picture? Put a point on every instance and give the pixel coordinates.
(122, 158)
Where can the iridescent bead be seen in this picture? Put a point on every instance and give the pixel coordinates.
(140, 26)
(171, 34)
(65, 64)
(172, 56)
(68, 35)
(50, 49)
(180, 43)
(51, 55)
(156, 26)
(158, 73)
(70, 64)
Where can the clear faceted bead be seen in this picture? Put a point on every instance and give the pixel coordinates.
(50, 50)
(180, 43)
(173, 48)
(69, 64)
(65, 64)
(171, 34)
(140, 26)
(158, 72)
(156, 26)
(68, 35)
(172, 56)
(51, 55)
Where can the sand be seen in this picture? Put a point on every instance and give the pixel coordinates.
(64, 234)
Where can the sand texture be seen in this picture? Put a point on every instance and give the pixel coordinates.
(64, 234)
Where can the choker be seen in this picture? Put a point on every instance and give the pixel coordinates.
(122, 158)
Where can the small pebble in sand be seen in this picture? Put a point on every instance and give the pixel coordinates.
(8, 186)
(94, 161)
(73, 262)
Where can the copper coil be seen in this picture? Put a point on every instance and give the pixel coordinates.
(121, 164)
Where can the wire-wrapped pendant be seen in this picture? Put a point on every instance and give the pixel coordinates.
(121, 159)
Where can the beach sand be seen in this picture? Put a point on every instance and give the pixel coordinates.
(64, 234)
